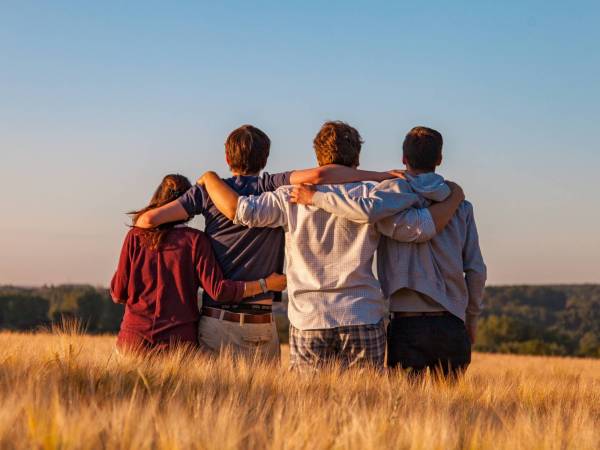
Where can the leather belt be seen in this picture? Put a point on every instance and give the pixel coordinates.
(229, 316)
(400, 314)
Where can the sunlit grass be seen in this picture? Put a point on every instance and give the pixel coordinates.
(66, 390)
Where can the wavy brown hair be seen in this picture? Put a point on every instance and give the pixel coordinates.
(338, 143)
(171, 188)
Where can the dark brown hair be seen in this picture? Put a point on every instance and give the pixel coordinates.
(171, 188)
(422, 148)
(247, 150)
(337, 143)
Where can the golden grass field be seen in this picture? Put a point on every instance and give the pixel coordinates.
(69, 391)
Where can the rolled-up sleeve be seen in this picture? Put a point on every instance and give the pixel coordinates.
(194, 200)
(265, 210)
(412, 225)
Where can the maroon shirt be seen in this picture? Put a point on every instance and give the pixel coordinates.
(160, 287)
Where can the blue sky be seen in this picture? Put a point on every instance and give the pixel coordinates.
(99, 100)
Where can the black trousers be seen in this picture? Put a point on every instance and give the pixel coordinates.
(439, 343)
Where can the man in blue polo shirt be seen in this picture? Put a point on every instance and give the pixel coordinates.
(246, 253)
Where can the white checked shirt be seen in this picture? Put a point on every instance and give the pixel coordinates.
(329, 259)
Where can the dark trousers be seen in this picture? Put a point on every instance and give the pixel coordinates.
(438, 343)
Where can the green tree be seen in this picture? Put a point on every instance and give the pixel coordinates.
(589, 345)
(23, 311)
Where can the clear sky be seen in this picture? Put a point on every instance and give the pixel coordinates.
(99, 100)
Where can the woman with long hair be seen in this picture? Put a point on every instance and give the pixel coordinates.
(159, 273)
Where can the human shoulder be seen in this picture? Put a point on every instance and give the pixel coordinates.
(135, 232)
(466, 206)
(190, 231)
(130, 236)
(193, 236)
(194, 200)
(465, 211)
(357, 188)
(397, 185)
(268, 182)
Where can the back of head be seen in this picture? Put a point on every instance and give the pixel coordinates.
(171, 188)
(338, 143)
(422, 149)
(247, 150)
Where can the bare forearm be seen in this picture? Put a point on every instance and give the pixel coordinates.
(224, 198)
(275, 282)
(336, 174)
(147, 220)
(252, 288)
(171, 212)
(442, 212)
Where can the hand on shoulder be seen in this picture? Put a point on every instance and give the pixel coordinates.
(302, 194)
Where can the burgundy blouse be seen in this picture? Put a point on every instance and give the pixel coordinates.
(160, 287)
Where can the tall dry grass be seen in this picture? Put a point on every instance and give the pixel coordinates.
(65, 390)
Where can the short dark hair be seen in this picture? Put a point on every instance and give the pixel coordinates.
(422, 148)
(337, 143)
(247, 149)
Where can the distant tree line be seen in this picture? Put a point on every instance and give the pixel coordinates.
(32, 308)
(541, 320)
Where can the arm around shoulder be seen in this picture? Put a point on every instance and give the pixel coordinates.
(224, 198)
(443, 212)
(336, 174)
(411, 225)
(265, 210)
(171, 212)
(384, 200)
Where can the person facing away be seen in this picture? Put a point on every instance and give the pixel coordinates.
(335, 302)
(245, 253)
(159, 274)
(435, 288)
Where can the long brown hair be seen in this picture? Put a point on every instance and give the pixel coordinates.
(171, 188)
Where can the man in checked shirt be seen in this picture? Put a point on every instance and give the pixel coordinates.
(336, 306)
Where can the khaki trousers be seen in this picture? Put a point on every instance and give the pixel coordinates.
(247, 339)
